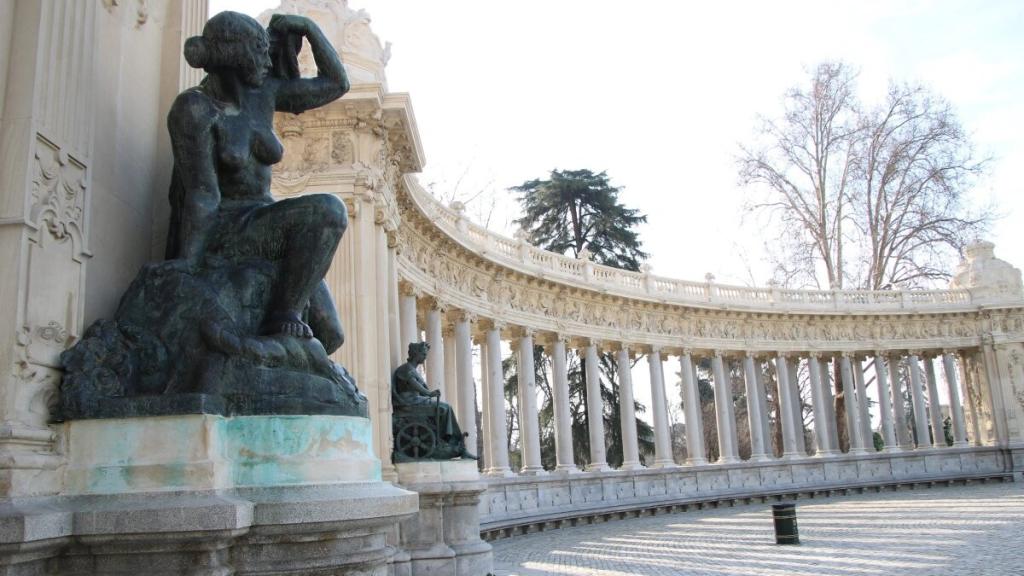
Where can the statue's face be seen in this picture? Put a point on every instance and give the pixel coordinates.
(257, 65)
(419, 356)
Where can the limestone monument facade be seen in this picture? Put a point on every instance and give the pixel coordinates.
(85, 88)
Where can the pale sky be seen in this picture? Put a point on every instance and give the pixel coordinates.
(660, 95)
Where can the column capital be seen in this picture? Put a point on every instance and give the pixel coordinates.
(881, 354)
(816, 354)
(406, 288)
(686, 351)
(458, 314)
(848, 354)
(915, 353)
(953, 351)
(718, 353)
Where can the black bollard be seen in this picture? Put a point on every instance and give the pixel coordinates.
(785, 524)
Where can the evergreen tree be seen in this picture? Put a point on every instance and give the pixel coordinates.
(573, 211)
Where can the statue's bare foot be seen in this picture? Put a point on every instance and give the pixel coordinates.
(287, 323)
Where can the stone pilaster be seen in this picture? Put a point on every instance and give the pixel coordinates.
(46, 189)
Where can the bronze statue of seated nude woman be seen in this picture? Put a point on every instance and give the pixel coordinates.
(238, 320)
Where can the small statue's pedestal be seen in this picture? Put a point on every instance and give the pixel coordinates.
(204, 494)
(443, 539)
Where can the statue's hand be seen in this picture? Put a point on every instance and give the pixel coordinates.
(290, 24)
(435, 393)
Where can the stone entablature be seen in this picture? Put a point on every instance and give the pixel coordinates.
(463, 266)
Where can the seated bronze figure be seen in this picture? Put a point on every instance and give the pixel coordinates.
(424, 427)
(238, 319)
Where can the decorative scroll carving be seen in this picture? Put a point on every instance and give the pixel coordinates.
(58, 192)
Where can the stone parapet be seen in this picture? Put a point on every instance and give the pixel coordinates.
(521, 501)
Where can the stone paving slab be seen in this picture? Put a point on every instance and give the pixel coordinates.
(959, 530)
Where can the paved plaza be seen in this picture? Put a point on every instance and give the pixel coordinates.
(959, 530)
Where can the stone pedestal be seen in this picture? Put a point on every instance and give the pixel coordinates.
(443, 539)
(209, 452)
(202, 494)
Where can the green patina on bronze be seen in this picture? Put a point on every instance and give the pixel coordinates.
(424, 427)
(238, 320)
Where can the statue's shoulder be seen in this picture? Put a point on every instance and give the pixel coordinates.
(190, 106)
(403, 371)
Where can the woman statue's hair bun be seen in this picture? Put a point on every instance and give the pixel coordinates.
(197, 52)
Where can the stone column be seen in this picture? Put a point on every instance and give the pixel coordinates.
(956, 408)
(724, 415)
(824, 427)
(662, 433)
(595, 410)
(785, 401)
(486, 456)
(884, 403)
(691, 408)
(450, 390)
(849, 392)
(917, 398)
(762, 399)
(497, 438)
(627, 412)
(529, 425)
(903, 438)
(755, 416)
(864, 435)
(464, 373)
(407, 315)
(564, 460)
(793, 365)
(435, 357)
(934, 406)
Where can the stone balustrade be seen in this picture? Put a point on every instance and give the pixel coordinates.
(461, 282)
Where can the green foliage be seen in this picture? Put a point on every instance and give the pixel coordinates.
(577, 209)
(877, 440)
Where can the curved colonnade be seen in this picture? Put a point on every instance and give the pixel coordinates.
(462, 286)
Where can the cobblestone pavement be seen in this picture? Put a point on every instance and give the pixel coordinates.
(959, 530)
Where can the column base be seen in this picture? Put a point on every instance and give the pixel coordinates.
(728, 460)
(563, 469)
(759, 458)
(601, 467)
(533, 471)
(960, 444)
(696, 461)
(828, 454)
(661, 464)
(892, 449)
(634, 466)
(499, 473)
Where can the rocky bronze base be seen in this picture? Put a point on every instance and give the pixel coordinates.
(188, 342)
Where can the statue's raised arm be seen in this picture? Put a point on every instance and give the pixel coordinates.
(294, 93)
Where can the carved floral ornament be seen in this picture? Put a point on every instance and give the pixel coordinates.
(441, 267)
(58, 194)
